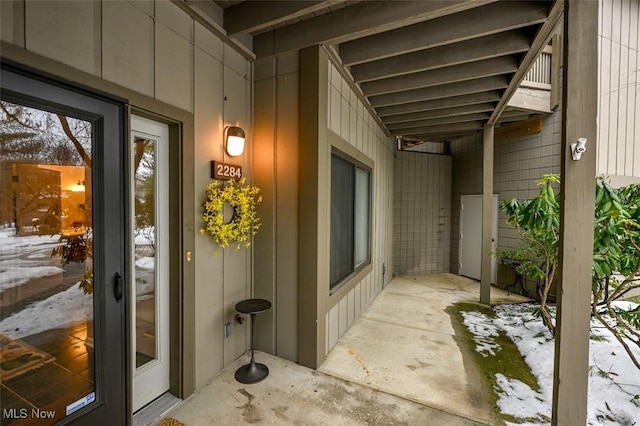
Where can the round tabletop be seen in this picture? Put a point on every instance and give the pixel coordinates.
(253, 306)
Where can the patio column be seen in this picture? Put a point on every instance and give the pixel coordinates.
(487, 213)
(313, 202)
(580, 82)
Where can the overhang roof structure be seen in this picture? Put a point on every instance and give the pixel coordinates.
(427, 70)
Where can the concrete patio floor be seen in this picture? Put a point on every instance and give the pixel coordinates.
(405, 344)
(400, 363)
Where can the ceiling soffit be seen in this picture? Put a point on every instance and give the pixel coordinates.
(426, 69)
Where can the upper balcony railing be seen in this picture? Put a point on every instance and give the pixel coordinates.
(539, 76)
(538, 91)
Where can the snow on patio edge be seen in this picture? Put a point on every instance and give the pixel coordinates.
(614, 381)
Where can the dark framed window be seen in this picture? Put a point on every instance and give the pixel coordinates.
(350, 247)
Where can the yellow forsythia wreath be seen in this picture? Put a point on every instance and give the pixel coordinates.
(243, 198)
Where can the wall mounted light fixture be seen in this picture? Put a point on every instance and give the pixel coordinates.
(234, 140)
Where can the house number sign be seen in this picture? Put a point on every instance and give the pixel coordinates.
(225, 171)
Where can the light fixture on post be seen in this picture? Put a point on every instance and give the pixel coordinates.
(234, 140)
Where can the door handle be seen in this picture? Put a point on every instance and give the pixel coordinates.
(118, 286)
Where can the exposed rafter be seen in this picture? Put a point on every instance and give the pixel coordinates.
(355, 21)
(442, 136)
(250, 16)
(444, 112)
(444, 91)
(448, 29)
(441, 128)
(540, 41)
(438, 121)
(492, 46)
(457, 73)
(473, 98)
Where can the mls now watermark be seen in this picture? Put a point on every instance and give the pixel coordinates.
(25, 413)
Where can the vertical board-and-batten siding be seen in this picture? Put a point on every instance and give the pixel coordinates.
(619, 89)
(155, 49)
(349, 119)
(276, 168)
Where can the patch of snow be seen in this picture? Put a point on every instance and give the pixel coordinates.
(14, 277)
(483, 332)
(519, 400)
(24, 258)
(145, 274)
(62, 310)
(146, 262)
(145, 236)
(614, 381)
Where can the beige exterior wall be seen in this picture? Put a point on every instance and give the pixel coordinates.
(154, 49)
(276, 152)
(619, 90)
(286, 270)
(351, 122)
(421, 213)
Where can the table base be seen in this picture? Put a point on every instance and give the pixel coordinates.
(252, 373)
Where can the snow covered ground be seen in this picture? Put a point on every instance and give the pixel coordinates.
(614, 382)
(25, 258)
(29, 257)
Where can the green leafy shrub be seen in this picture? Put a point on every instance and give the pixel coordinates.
(616, 252)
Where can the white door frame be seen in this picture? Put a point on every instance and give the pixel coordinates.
(475, 270)
(152, 379)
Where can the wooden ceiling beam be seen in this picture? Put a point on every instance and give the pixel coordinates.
(435, 121)
(443, 136)
(445, 91)
(444, 112)
(477, 49)
(251, 15)
(443, 128)
(489, 19)
(455, 101)
(440, 76)
(355, 21)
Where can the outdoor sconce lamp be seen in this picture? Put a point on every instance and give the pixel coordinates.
(234, 140)
(579, 148)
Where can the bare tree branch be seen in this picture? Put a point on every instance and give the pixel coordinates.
(67, 130)
(139, 153)
(15, 118)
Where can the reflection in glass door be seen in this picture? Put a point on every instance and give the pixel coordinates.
(149, 140)
(46, 265)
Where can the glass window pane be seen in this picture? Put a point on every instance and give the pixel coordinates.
(46, 264)
(342, 185)
(145, 249)
(362, 216)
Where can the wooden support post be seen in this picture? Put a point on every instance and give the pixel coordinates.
(313, 266)
(580, 82)
(487, 213)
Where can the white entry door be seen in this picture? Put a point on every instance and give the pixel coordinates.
(149, 248)
(471, 237)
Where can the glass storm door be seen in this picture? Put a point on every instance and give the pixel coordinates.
(150, 292)
(62, 320)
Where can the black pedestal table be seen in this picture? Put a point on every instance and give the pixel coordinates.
(252, 372)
